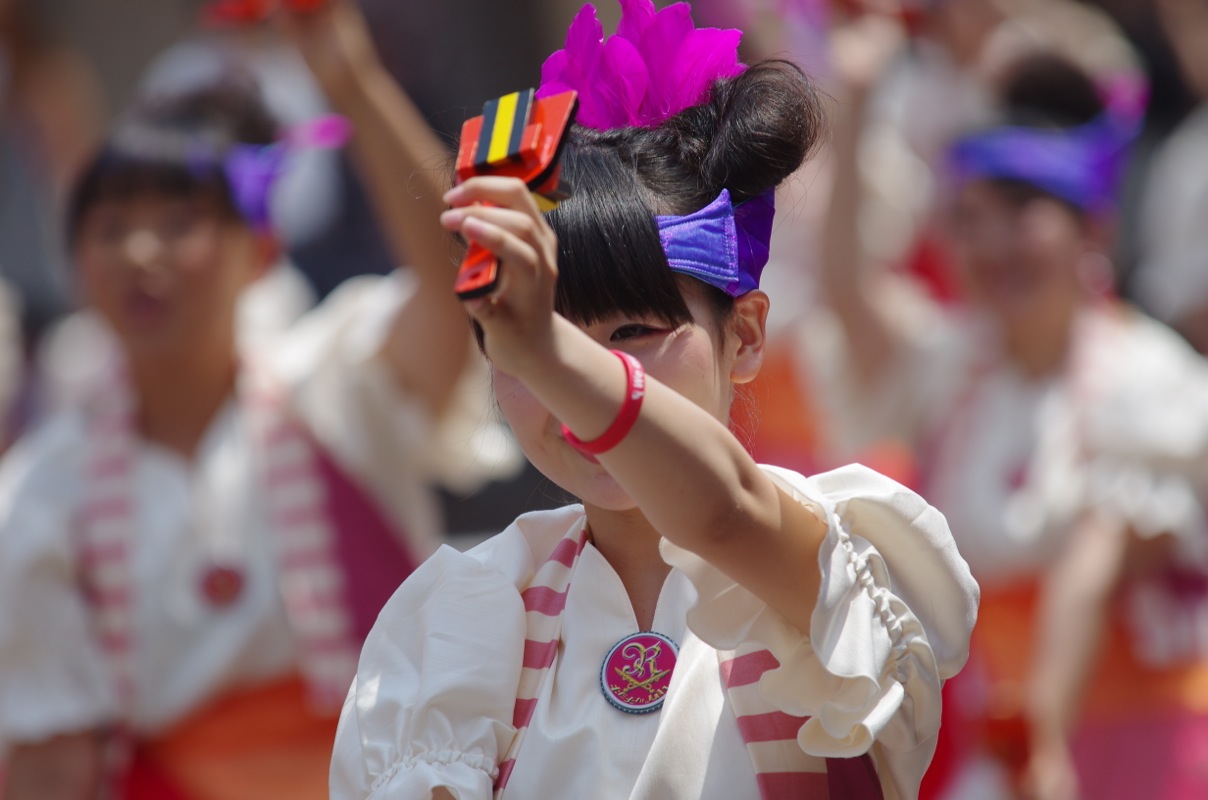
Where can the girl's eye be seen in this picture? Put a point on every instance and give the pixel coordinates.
(178, 222)
(633, 331)
(104, 228)
(109, 231)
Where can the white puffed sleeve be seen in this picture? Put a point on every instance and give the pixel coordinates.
(1145, 434)
(892, 621)
(53, 678)
(432, 702)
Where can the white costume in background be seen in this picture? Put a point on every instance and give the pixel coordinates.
(1013, 463)
(212, 509)
(433, 701)
(1171, 278)
(1013, 460)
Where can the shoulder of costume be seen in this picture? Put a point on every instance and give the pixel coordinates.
(53, 445)
(41, 487)
(524, 545)
(1154, 342)
(795, 483)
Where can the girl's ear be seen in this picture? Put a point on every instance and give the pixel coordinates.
(1095, 270)
(749, 329)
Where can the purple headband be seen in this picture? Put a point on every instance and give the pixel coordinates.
(252, 170)
(723, 245)
(1082, 165)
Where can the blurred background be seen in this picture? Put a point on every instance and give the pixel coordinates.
(904, 79)
(68, 66)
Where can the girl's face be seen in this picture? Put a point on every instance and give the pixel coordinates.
(166, 271)
(1019, 251)
(685, 358)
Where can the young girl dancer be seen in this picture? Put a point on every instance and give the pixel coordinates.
(701, 626)
(189, 564)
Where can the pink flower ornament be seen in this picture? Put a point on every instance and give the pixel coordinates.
(657, 64)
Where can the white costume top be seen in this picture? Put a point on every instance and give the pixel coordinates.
(192, 514)
(432, 704)
(1171, 278)
(1013, 460)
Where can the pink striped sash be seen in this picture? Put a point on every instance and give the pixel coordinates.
(544, 600)
(783, 770)
(312, 582)
(106, 519)
(106, 528)
(311, 578)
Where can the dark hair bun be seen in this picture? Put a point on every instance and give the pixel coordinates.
(231, 109)
(1044, 89)
(755, 131)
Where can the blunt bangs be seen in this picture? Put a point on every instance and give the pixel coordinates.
(610, 258)
(120, 172)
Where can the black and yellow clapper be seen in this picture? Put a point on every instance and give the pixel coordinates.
(519, 136)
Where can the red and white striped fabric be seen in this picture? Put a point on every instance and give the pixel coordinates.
(783, 770)
(311, 578)
(544, 601)
(106, 525)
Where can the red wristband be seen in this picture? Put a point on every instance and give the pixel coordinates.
(635, 390)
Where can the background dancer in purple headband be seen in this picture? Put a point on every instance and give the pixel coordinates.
(701, 626)
(190, 561)
(1060, 431)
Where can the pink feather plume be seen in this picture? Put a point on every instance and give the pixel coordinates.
(657, 64)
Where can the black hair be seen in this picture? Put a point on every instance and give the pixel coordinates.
(754, 131)
(173, 144)
(1048, 91)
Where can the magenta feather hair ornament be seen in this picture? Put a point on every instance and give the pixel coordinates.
(657, 64)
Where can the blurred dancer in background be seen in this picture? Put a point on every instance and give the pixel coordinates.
(51, 118)
(1171, 278)
(180, 616)
(1040, 410)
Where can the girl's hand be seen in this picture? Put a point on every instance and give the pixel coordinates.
(1050, 774)
(336, 44)
(518, 317)
(863, 49)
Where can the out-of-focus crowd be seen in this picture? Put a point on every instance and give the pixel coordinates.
(992, 285)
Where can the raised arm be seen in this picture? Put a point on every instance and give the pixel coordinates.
(691, 478)
(849, 284)
(1076, 605)
(406, 169)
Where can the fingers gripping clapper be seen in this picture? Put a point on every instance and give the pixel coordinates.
(520, 136)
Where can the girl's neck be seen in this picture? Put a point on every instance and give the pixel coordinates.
(1040, 348)
(178, 397)
(631, 546)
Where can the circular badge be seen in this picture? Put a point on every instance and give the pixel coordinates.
(637, 672)
(221, 586)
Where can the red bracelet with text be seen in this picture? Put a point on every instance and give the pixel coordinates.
(635, 390)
